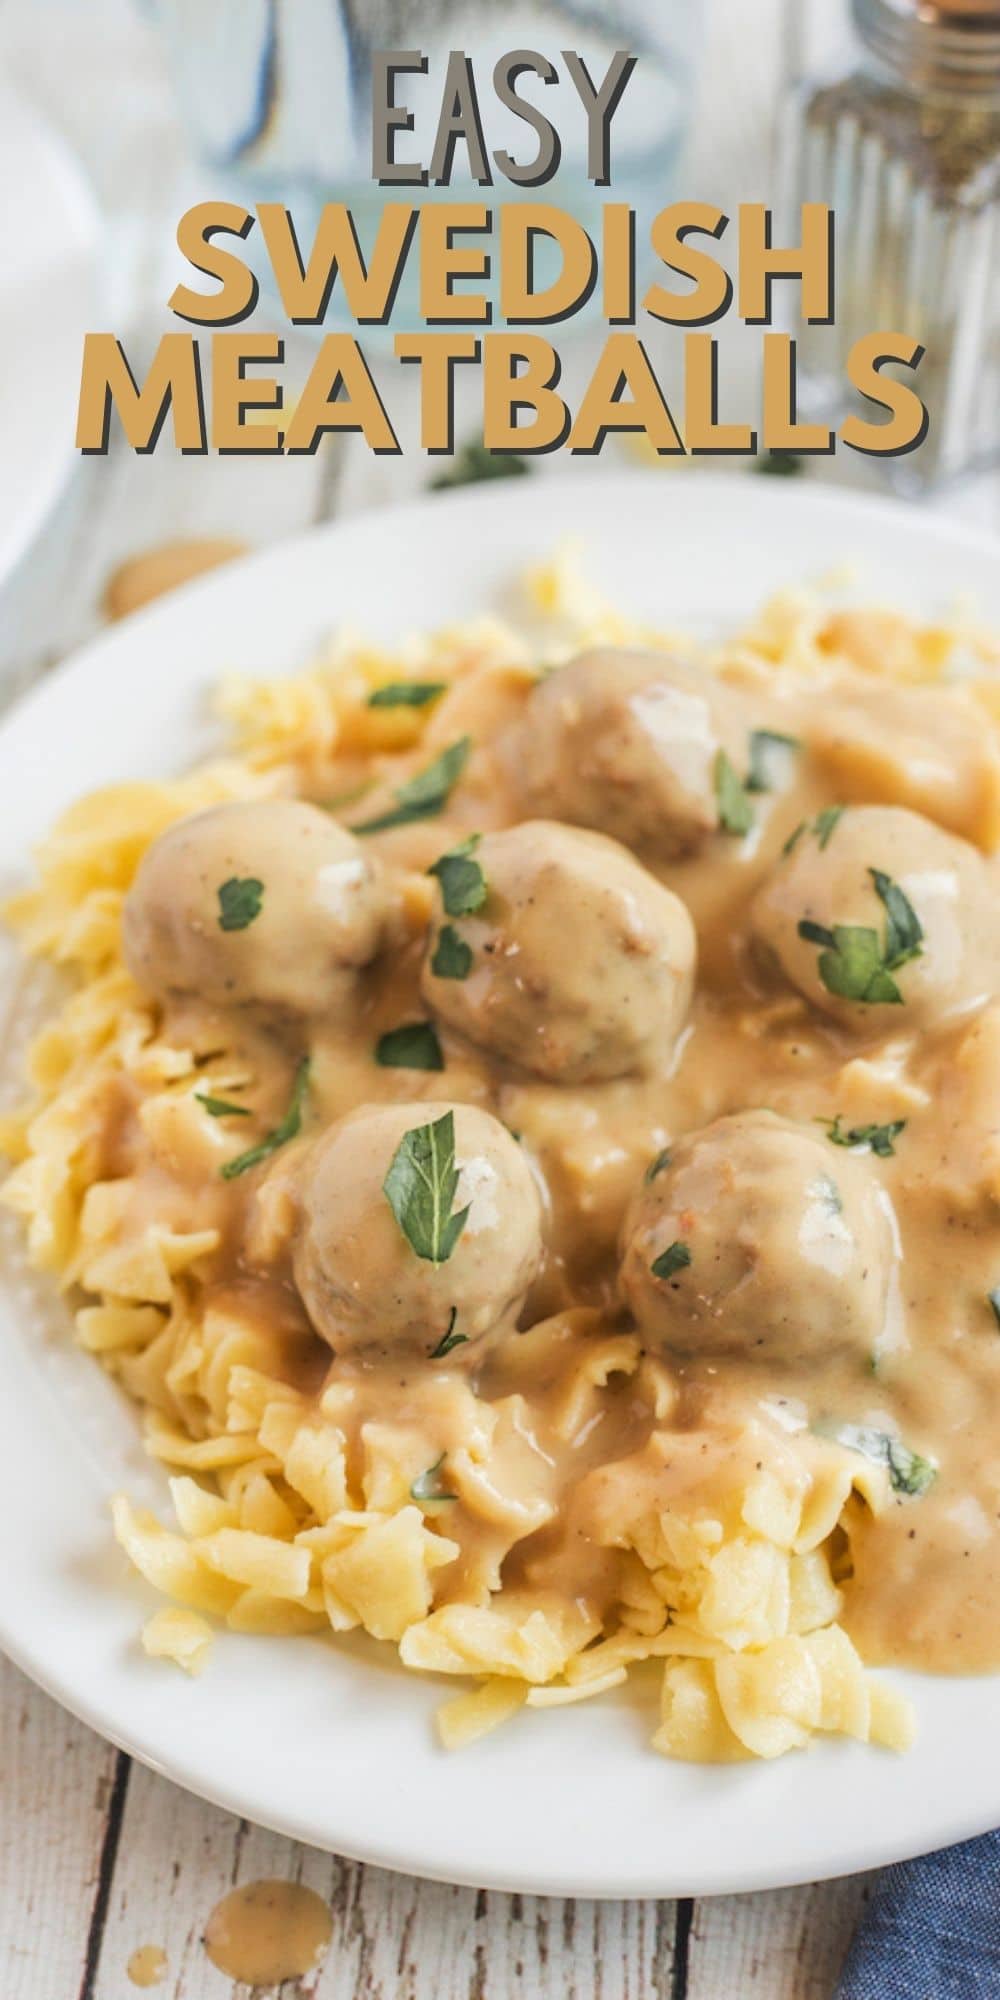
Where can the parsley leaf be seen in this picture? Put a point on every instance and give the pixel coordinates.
(420, 1187)
(909, 1472)
(853, 963)
(822, 826)
(449, 1338)
(474, 462)
(452, 956)
(904, 934)
(879, 1139)
(240, 899)
(289, 1128)
(778, 464)
(824, 823)
(463, 884)
(675, 1258)
(426, 1486)
(735, 810)
(423, 796)
(826, 1190)
(656, 1166)
(769, 753)
(993, 1299)
(406, 694)
(413, 1046)
(220, 1107)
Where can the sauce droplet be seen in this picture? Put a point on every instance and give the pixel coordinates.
(267, 1931)
(147, 1966)
(143, 577)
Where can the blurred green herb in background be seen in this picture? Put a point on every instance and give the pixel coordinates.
(473, 462)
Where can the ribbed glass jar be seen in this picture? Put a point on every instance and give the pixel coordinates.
(905, 145)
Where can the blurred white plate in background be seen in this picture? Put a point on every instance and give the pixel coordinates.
(49, 231)
(332, 1742)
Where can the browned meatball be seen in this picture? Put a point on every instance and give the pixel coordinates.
(755, 1238)
(882, 919)
(366, 1282)
(266, 902)
(577, 964)
(628, 743)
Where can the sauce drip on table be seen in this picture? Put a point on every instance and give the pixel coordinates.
(267, 1931)
(147, 1966)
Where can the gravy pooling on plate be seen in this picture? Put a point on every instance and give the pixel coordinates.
(618, 1073)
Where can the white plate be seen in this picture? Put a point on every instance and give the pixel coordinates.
(334, 1743)
(49, 294)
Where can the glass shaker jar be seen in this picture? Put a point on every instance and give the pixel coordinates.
(903, 140)
(276, 95)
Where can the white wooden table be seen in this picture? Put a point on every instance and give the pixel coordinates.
(98, 1856)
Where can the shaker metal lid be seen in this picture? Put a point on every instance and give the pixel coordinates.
(951, 45)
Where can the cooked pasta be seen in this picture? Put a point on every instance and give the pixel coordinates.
(533, 1460)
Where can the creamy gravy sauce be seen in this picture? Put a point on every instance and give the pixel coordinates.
(147, 1966)
(268, 1931)
(926, 1581)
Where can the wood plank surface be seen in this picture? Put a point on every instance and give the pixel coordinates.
(394, 1938)
(99, 1857)
(57, 1783)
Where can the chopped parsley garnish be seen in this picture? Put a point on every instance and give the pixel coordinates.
(735, 810)
(656, 1166)
(289, 1128)
(473, 462)
(220, 1107)
(452, 956)
(853, 963)
(676, 1258)
(769, 755)
(828, 1193)
(778, 464)
(426, 1486)
(423, 796)
(993, 1299)
(449, 1338)
(463, 884)
(413, 1046)
(420, 1188)
(909, 1472)
(825, 822)
(240, 899)
(904, 935)
(406, 694)
(879, 1139)
(822, 826)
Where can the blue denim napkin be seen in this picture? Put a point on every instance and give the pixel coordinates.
(931, 1930)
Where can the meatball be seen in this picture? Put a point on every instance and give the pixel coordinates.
(628, 742)
(881, 919)
(576, 965)
(756, 1238)
(266, 902)
(366, 1277)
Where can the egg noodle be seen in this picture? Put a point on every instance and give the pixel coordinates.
(289, 1517)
